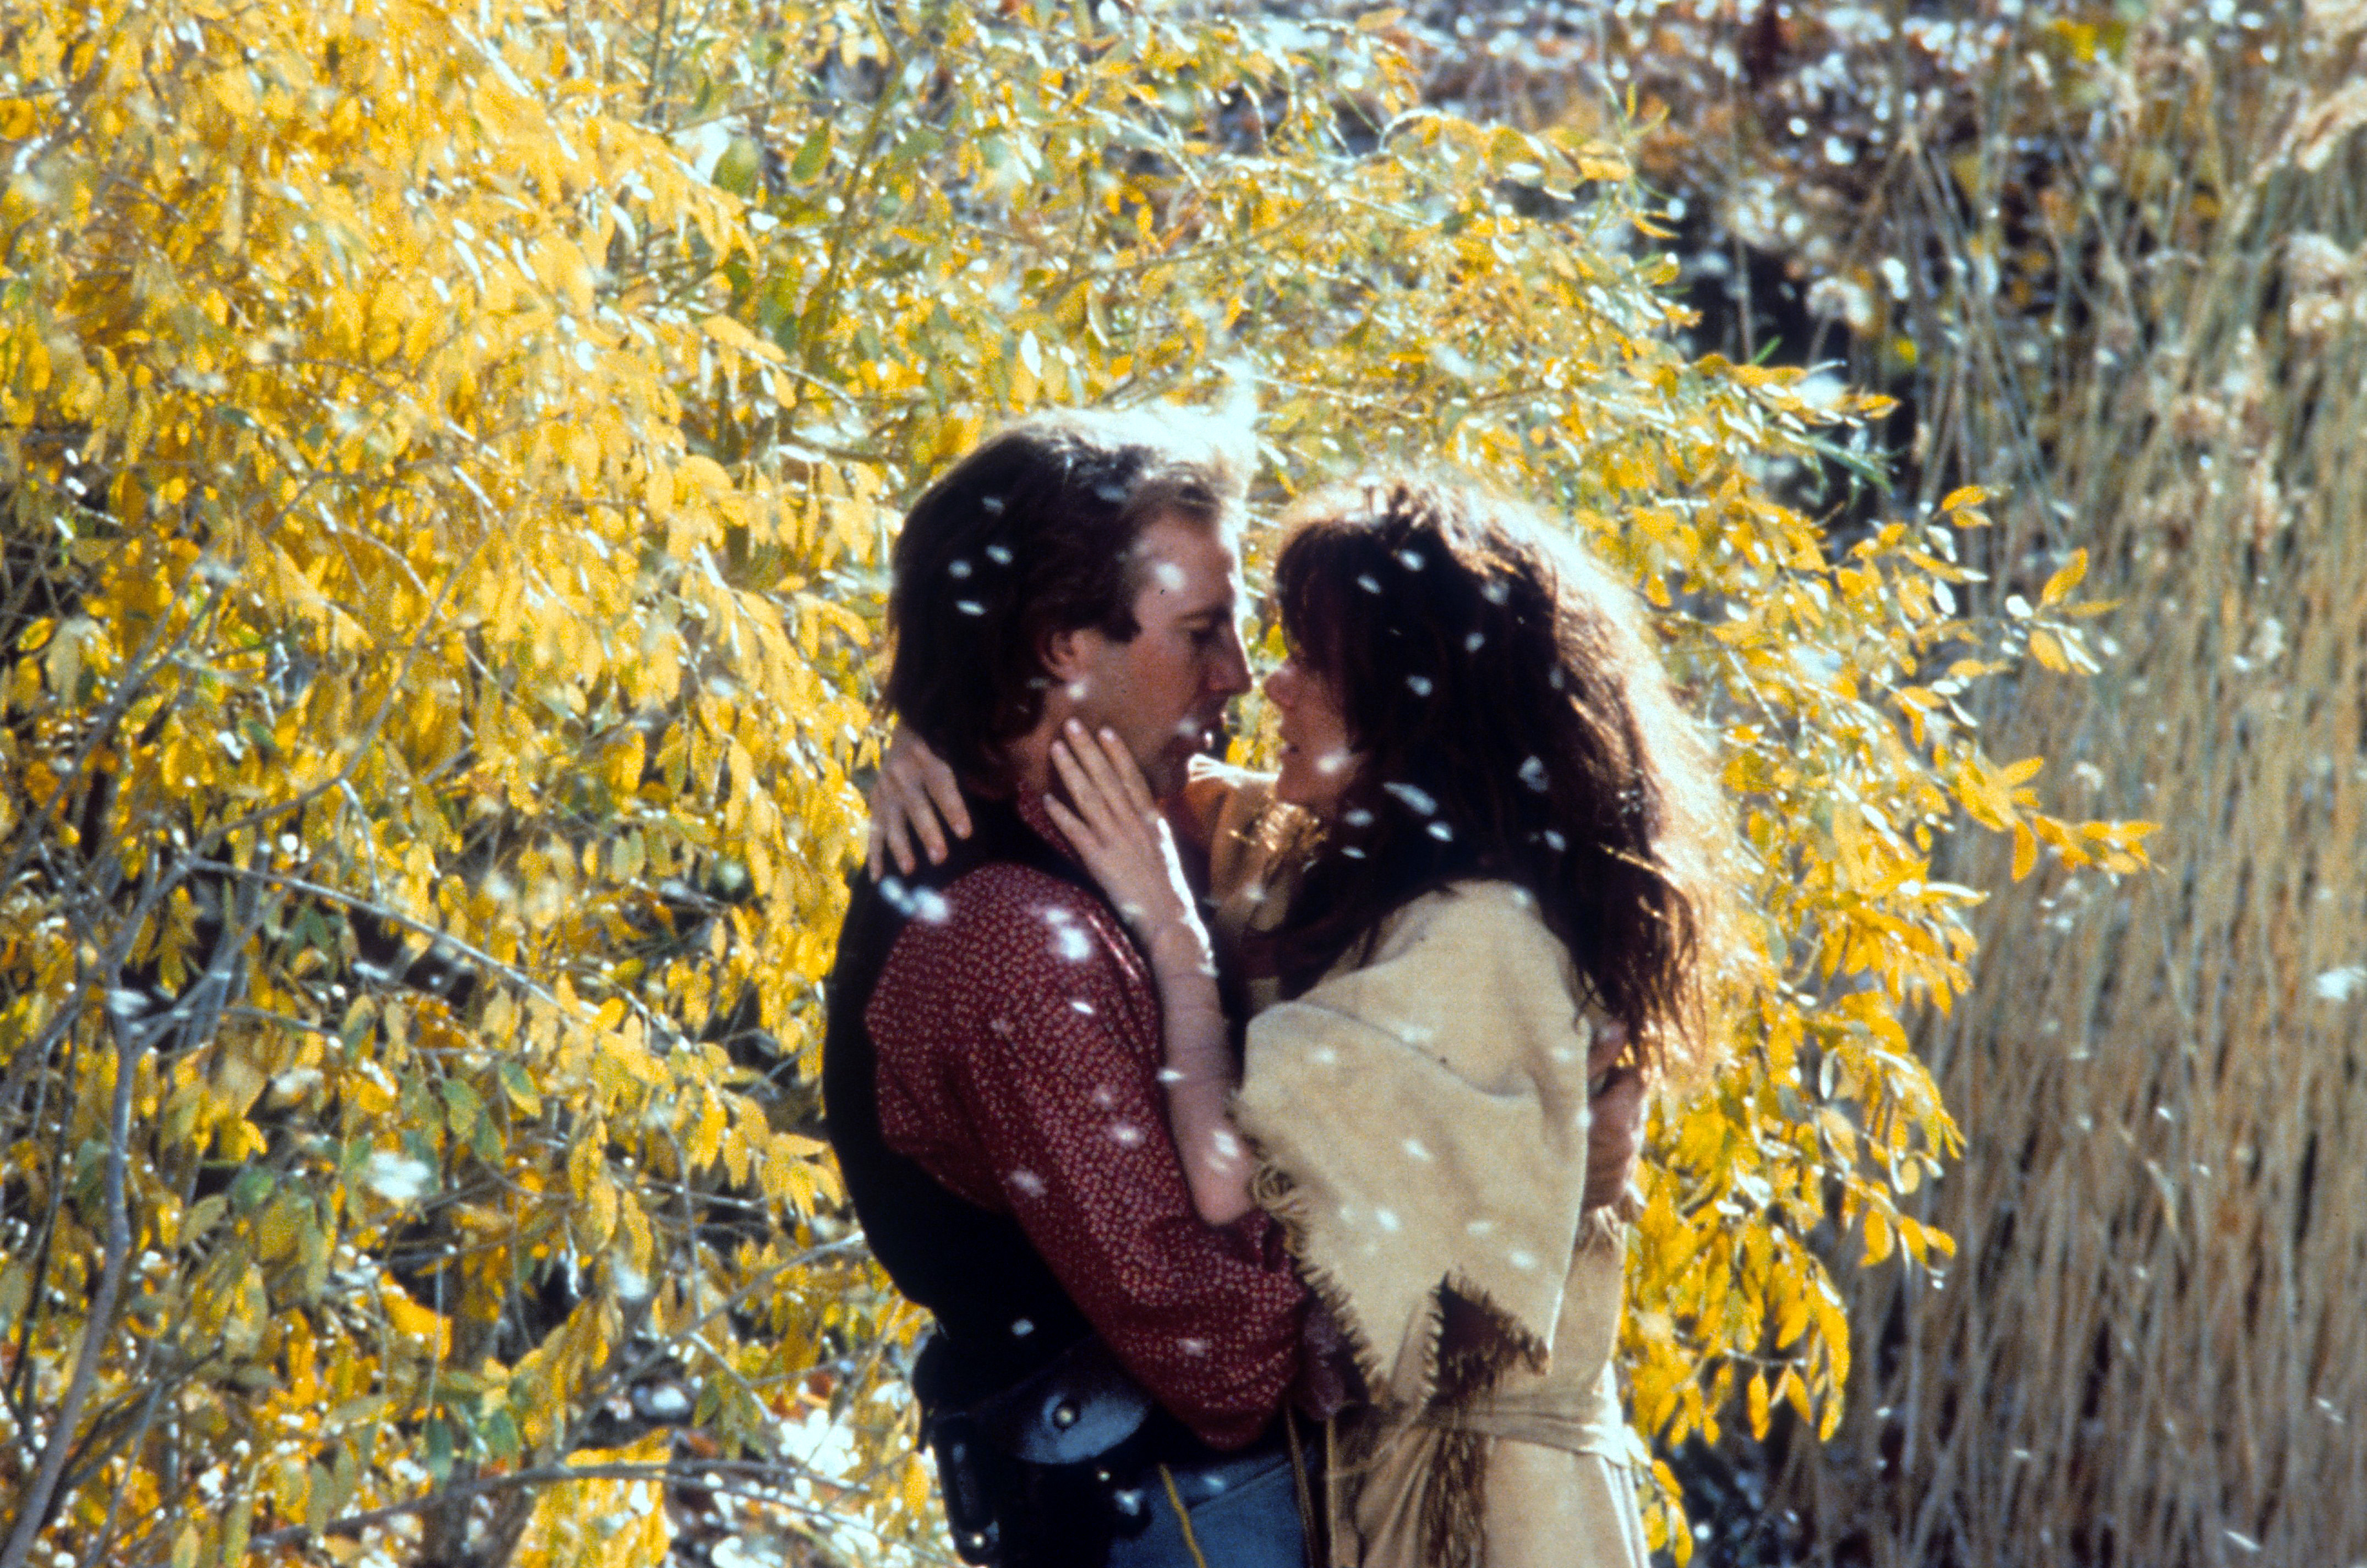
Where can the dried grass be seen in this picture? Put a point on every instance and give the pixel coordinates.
(2153, 1349)
(2152, 1352)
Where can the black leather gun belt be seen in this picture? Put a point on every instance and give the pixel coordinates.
(1081, 1428)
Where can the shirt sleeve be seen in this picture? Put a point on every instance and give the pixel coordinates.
(1053, 1055)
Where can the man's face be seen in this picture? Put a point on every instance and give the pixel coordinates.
(1164, 689)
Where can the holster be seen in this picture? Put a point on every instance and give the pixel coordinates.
(1079, 1407)
(970, 1477)
(1016, 1466)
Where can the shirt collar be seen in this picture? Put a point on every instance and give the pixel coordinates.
(1030, 806)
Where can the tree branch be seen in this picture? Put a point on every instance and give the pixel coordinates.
(33, 1507)
(692, 1474)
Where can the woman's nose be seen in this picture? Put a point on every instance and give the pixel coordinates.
(1279, 686)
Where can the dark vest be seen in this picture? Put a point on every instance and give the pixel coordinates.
(998, 1304)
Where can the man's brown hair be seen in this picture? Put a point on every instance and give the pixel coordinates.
(1034, 533)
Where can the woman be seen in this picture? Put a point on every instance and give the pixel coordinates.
(1490, 839)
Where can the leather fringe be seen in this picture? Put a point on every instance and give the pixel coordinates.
(1467, 1345)
(1453, 1531)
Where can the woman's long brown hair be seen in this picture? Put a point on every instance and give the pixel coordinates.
(1511, 721)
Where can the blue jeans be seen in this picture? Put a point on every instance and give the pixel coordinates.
(1252, 1523)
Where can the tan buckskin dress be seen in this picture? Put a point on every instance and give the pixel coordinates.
(1422, 1121)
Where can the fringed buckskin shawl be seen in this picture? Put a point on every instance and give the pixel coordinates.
(1422, 1123)
(1429, 1111)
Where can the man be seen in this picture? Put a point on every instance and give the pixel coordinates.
(990, 1074)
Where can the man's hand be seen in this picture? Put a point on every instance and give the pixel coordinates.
(1615, 1132)
(915, 795)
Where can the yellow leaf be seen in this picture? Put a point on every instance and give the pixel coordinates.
(2079, 38)
(1838, 1131)
(2025, 851)
(603, 1522)
(2048, 650)
(234, 91)
(1507, 146)
(291, 1486)
(2019, 773)
(1963, 496)
(409, 1317)
(1756, 1399)
(276, 1233)
(1878, 1237)
(598, 1223)
(707, 1138)
(640, 1244)
(2065, 579)
(733, 335)
(1792, 1320)
(1987, 804)
(657, 488)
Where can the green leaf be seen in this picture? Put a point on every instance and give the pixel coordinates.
(812, 153)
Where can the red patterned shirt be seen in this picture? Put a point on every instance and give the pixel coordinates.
(1018, 1043)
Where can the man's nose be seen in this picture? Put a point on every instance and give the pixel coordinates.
(1230, 673)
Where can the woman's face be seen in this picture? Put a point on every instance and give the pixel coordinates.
(1317, 762)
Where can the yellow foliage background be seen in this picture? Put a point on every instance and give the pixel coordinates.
(449, 453)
